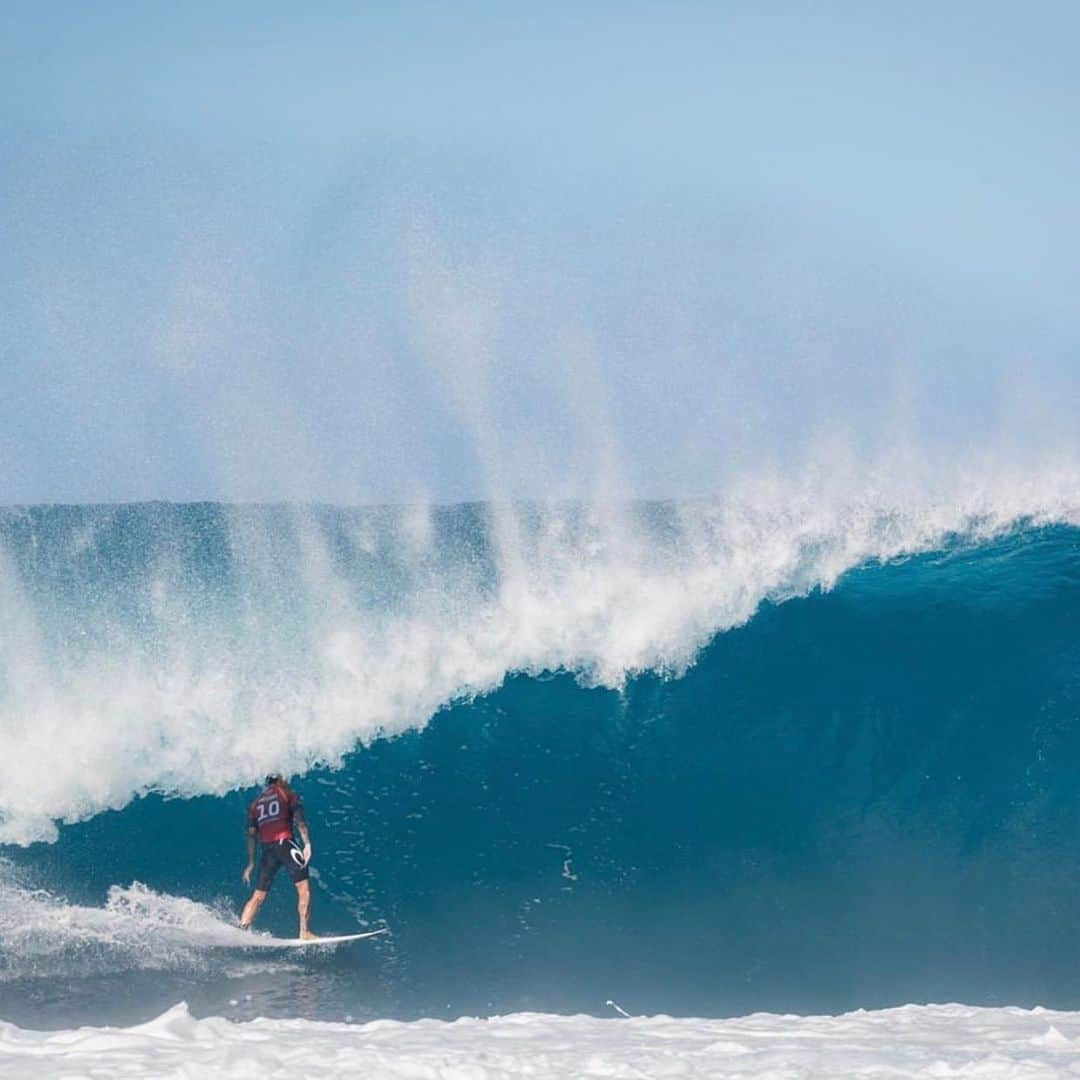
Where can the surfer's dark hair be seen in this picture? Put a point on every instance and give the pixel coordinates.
(273, 778)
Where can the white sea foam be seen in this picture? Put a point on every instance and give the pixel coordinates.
(316, 655)
(912, 1041)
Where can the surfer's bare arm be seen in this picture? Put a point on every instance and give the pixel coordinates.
(300, 821)
(250, 853)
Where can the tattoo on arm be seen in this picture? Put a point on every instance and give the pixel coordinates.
(301, 824)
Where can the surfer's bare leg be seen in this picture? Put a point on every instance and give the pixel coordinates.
(251, 908)
(303, 907)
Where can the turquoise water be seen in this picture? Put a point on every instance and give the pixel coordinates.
(858, 796)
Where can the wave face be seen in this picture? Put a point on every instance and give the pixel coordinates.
(741, 761)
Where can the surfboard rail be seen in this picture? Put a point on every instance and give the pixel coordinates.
(330, 939)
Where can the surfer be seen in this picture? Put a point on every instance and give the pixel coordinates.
(270, 822)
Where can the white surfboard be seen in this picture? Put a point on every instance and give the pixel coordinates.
(303, 943)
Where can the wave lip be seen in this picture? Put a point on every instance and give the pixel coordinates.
(911, 1041)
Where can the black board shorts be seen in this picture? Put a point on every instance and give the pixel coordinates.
(276, 856)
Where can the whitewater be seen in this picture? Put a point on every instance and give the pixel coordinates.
(732, 787)
(929, 1041)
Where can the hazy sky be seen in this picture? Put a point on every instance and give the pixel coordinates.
(362, 252)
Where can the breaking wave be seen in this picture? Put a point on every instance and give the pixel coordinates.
(185, 649)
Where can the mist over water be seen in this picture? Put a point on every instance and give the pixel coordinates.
(366, 329)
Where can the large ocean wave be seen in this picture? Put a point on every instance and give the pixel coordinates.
(703, 758)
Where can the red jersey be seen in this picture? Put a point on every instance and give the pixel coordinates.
(272, 813)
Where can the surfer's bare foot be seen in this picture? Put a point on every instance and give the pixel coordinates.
(307, 935)
(243, 926)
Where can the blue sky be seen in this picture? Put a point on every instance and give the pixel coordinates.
(365, 252)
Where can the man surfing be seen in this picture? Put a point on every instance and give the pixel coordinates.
(270, 822)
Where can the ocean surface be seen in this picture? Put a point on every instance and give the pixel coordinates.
(691, 759)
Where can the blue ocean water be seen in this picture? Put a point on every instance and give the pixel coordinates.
(758, 767)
